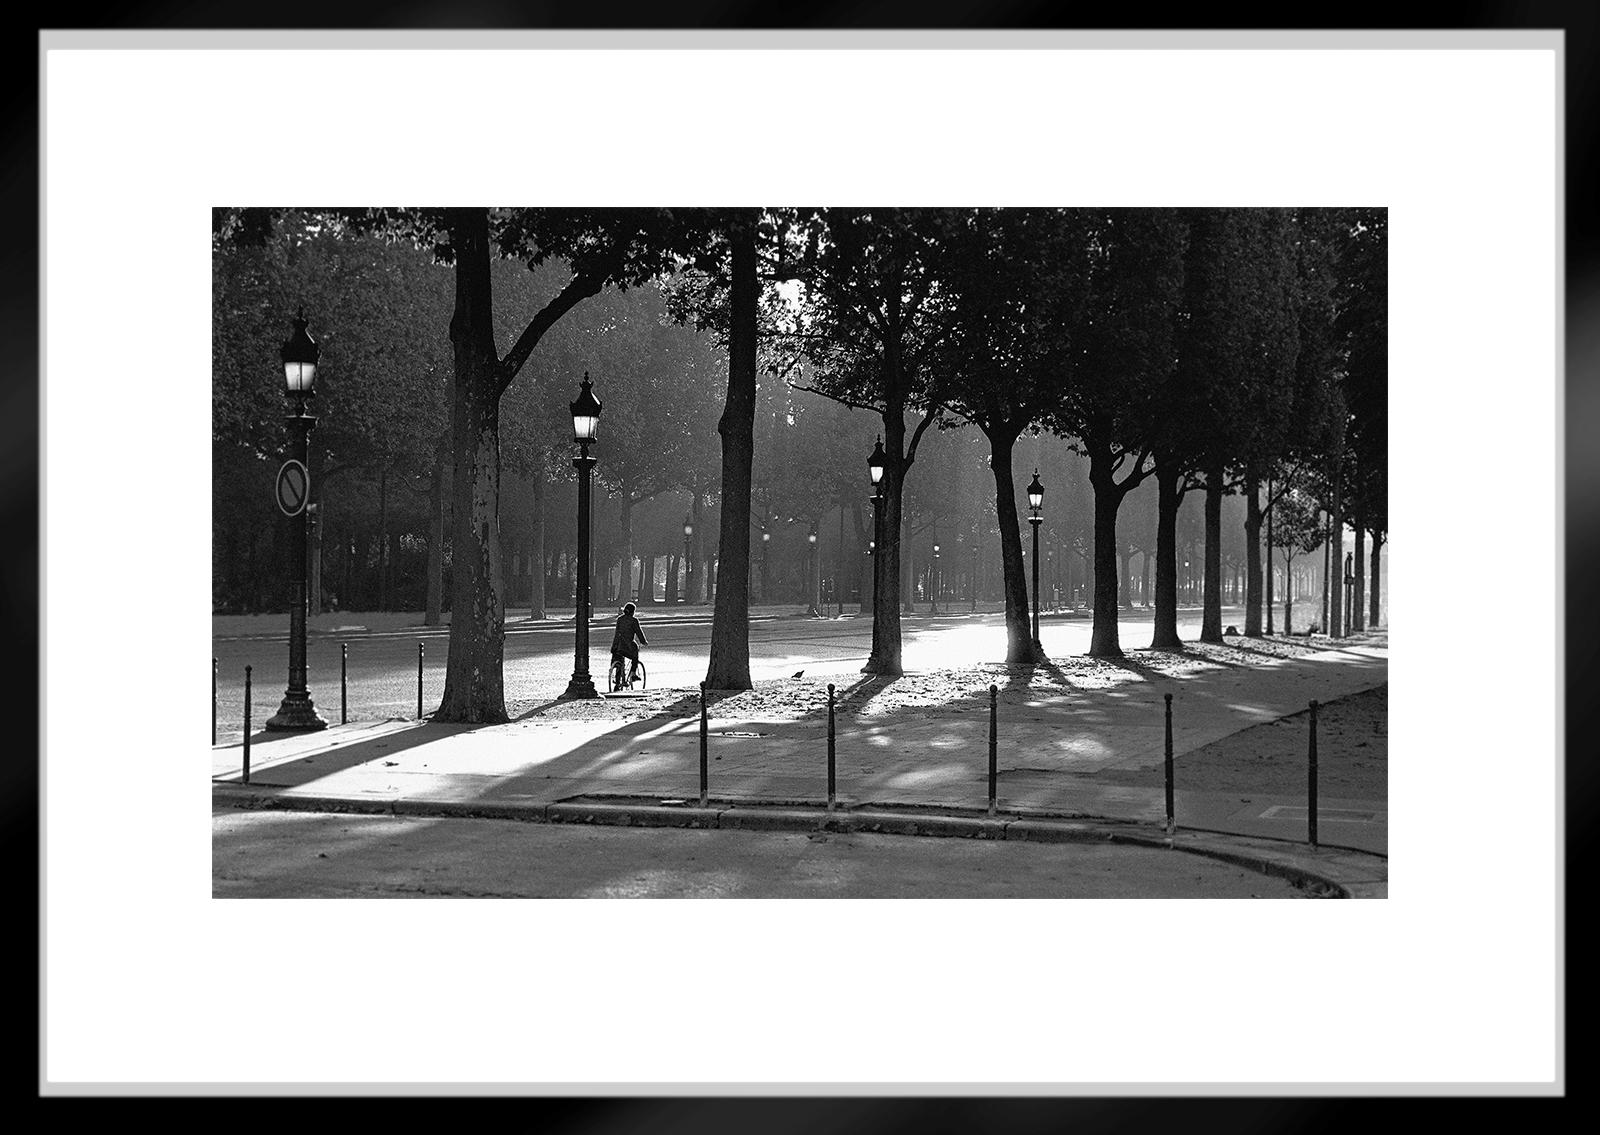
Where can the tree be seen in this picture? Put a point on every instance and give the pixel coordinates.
(1297, 530)
(1012, 273)
(602, 247)
(1115, 352)
(379, 311)
(1363, 326)
(872, 318)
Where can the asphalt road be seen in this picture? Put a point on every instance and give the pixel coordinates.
(266, 854)
(382, 666)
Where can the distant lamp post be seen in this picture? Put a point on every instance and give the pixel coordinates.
(585, 424)
(1349, 590)
(972, 576)
(935, 583)
(766, 550)
(816, 572)
(1035, 501)
(299, 356)
(688, 531)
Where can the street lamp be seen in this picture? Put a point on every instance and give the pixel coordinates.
(816, 572)
(766, 539)
(1035, 499)
(585, 423)
(688, 531)
(875, 464)
(935, 600)
(299, 355)
(1349, 589)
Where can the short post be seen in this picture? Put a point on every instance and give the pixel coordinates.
(247, 725)
(1311, 785)
(994, 694)
(344, 675)
(1171, 822)
(703, 797)
(830, 747)
(419, 681)
(213, 701)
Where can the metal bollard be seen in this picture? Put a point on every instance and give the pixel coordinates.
(344, 677)
(1172, 825)
(830, 747)
(1311, 785)
(213, 701)
(994, 748)
(703, 745)
(247, 725)
(419, 681)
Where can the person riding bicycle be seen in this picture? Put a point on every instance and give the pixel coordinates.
(622, 646)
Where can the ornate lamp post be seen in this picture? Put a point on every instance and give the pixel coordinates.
(1349, 591)
(1035, 499)
(585, 423)
(875, 463)
(934, 605)
(299, 356)
(766, 551)
(688, 531)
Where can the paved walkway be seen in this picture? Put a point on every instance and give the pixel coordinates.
(934, 758)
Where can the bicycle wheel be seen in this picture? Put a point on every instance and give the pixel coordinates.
(641, 683)
(619, 675)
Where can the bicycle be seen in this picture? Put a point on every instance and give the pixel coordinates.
(619, 676)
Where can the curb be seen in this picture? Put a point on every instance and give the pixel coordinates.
(1333, 877)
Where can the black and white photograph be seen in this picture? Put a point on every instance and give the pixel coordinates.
(807, 562)
(786, 551)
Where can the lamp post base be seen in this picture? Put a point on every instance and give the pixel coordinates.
(579, 688)
(296, 714)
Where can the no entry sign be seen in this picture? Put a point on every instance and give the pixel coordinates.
(294, 484)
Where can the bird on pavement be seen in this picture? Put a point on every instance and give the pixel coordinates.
(797, 673)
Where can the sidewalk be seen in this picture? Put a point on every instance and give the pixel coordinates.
(918, 744)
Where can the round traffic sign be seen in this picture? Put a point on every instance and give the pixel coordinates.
(294, 485)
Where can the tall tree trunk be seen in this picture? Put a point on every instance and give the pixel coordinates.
(1336, 558)
(1108, 496)
(646, 594)
(1125, 570)
(1252, 553)
(1019, 623)
(1327, 551)
(694, 584)
(536, 553)
(729, 667)
(1288, 592)
(908, 590)
(1359, 563)
(474, 689)
(1168, 497)
(671, 590)
(434, 603)
(1211, 615)
(1377, 543)
(625, 587)
(1267, 598)
(383, 534)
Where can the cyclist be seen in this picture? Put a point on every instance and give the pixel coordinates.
(622, 646)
